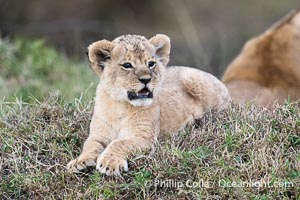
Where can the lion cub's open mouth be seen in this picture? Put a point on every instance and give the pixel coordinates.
(142, 94)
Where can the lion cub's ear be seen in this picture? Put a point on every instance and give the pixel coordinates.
(99, 52)
(292, 18)
(162, 46)
(296, 19)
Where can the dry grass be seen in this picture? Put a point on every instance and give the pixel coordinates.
(243, 144)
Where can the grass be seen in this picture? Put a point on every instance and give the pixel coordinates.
(244, 152)
(242, 145)
(29, 68)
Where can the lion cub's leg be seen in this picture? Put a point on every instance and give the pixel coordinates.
(112, 161)
(207, 89)
(97, 141)
(142, 131)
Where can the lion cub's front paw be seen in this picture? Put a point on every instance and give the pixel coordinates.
(111, 164)
(81, 163)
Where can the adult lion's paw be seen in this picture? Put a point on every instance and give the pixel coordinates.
(110, 164)
(81, 163)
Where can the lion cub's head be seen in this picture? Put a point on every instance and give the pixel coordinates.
(131, 67)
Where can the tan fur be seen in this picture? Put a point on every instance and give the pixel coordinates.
(268, 68)
(119, 126)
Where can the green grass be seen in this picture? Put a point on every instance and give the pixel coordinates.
(28, 68)
(39, 136)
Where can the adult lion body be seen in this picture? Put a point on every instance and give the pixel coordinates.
(139, 99)
(268, 68)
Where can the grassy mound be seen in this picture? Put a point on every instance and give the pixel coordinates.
(241, 153)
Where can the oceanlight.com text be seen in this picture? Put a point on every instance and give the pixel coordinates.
(172, 183)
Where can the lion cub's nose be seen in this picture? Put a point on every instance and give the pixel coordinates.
(145, 80)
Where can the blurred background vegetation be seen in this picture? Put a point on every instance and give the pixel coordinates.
(43, 42)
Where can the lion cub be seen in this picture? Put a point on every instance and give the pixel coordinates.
(139, 98)
(268, 68)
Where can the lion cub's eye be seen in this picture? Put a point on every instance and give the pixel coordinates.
(127, 66)
(151, 64)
